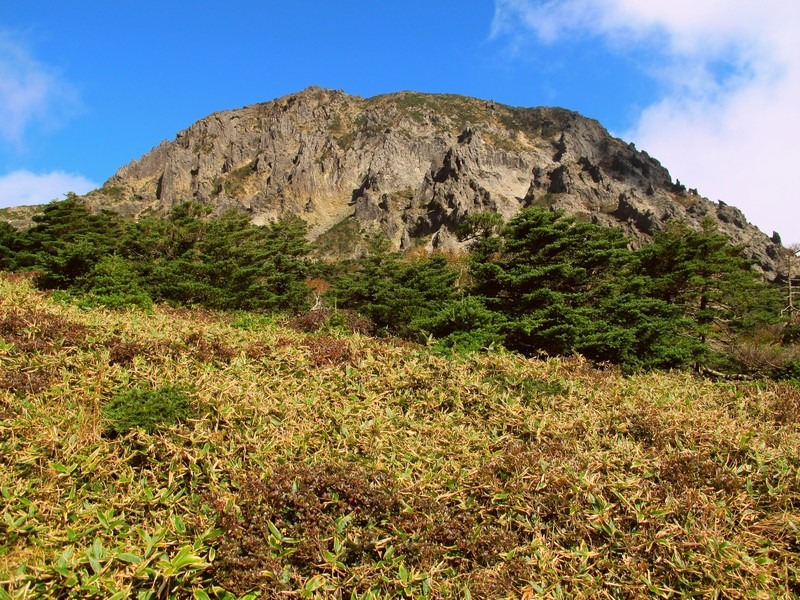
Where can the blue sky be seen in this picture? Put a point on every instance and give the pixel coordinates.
(709, 87)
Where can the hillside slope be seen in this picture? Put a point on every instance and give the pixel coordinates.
(338, 466)
(412, 165)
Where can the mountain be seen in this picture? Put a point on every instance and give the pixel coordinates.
(413, 166)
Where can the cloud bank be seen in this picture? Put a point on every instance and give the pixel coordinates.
(728, 72)
(22, 188)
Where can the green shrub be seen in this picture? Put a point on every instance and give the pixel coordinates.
(396, 295)
(464, 325)
(790, 371)
(148, 409)
(113, 282)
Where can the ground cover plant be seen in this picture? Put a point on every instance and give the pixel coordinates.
(334, 465)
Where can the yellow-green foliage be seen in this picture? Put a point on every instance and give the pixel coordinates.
(348, 467)
(233, 183)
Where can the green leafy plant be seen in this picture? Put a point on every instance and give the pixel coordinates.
(147, 409)
(352, 467)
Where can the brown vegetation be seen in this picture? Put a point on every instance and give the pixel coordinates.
(333, 466)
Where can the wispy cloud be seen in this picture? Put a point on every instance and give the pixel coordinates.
(729, 73)
(22, 188)
(32, 94)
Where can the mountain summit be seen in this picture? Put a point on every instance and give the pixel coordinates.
(412, 166)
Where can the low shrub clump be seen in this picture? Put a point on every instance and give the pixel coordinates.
(147, 409)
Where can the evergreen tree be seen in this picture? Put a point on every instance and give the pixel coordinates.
(10, 246)
(114, 282)
(224, 263)
(254, 267)
(67, 241)
(164, 252)
(399, 296)
(706, 276)
(463, 324)
(564, 286)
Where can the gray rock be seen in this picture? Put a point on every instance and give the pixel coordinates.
(412, 166)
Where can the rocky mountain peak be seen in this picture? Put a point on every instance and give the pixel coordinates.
(412, 166)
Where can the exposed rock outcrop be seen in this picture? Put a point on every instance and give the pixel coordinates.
(412, 166)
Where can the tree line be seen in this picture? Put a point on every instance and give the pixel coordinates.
(543, 283)
(186, 259)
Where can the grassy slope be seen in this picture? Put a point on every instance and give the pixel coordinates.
(349, 467)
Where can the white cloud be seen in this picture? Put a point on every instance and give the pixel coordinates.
(31, 93)
(727, 121)
(21, 188)
(33, 96)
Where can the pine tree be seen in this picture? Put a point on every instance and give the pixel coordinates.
(10, 246)
(398, 296)
(224, 263)
(706, 276)
(564, 285)
(67, 241)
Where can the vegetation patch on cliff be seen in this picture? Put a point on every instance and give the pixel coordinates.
(234, 182)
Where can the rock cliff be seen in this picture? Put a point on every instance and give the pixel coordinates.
(412, 166)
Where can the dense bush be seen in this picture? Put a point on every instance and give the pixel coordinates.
(147, 409)
(464, 325)
(398, 296)
(114, 282)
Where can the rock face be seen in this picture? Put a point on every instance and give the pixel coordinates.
(412, 166)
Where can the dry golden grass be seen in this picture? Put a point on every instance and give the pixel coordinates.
(347, 467)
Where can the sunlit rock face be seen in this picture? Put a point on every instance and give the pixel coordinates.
(412, 166)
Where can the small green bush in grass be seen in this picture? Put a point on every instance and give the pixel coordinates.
(148, 409)
(789, 372)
